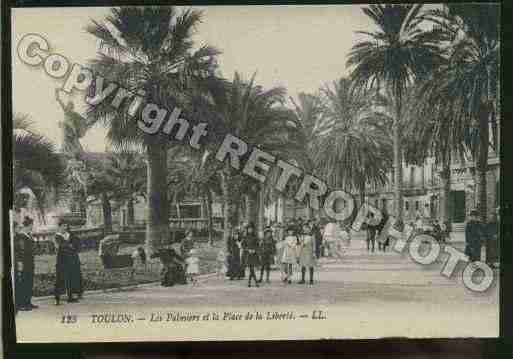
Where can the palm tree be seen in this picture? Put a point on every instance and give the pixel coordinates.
(352, 146)
(470, 78)
(36, 164)
(258, 117)
(396, 53)
(149, 50)
(309, 111)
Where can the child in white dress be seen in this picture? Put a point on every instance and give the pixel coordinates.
(221, 263)
(192, 267)
(290, 255)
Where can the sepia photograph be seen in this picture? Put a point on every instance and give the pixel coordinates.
(235, 173)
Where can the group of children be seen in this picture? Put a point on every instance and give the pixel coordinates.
(293, 248)
(297, 247)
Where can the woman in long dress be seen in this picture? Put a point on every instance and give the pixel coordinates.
(307, 253)
(66, 280)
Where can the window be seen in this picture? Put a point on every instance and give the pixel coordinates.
(384, 204)
(406, 205)
(376, 203)
(417, 205)
(190, 211)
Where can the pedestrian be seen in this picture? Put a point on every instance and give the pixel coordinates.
(234, 255)
(139, 257)
(329, 238)
(316, 233)
(221, 263)
(66, 280)
(187, 243)
(446, 233)
(267, 252)
(473, 237)
(251, 248)
(25, 266)
(306, 253)
(409, 230)
(280, 247)
(192, 262)
(437, 231)
(74, 240)
(419, 226)
(383, 240)
(371, 231)
(289, 253)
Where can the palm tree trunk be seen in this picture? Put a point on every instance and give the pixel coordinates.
(107, 213)
(131, 212)
(482, 162)
(445, 200)
(210, 224)
(229, 205)
(157, 224)
(251, 208)
(362, 193)
(308, 209)
(398, 165)
(261, 211)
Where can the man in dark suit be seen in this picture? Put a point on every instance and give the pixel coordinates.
(24, 259)
(473, 237)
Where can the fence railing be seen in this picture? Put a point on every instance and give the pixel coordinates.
(89, 239)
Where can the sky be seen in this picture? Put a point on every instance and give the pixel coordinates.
(298, 47)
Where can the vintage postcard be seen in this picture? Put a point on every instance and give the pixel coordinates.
(224, 173)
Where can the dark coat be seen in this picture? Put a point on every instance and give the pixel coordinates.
(24, 252)
(67, 277)
(75, 244)
(24, 255)
(252, 250)
(473, 237)
(267, 251)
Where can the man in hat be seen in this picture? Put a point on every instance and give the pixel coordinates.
(473, 235)
(25, 265)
